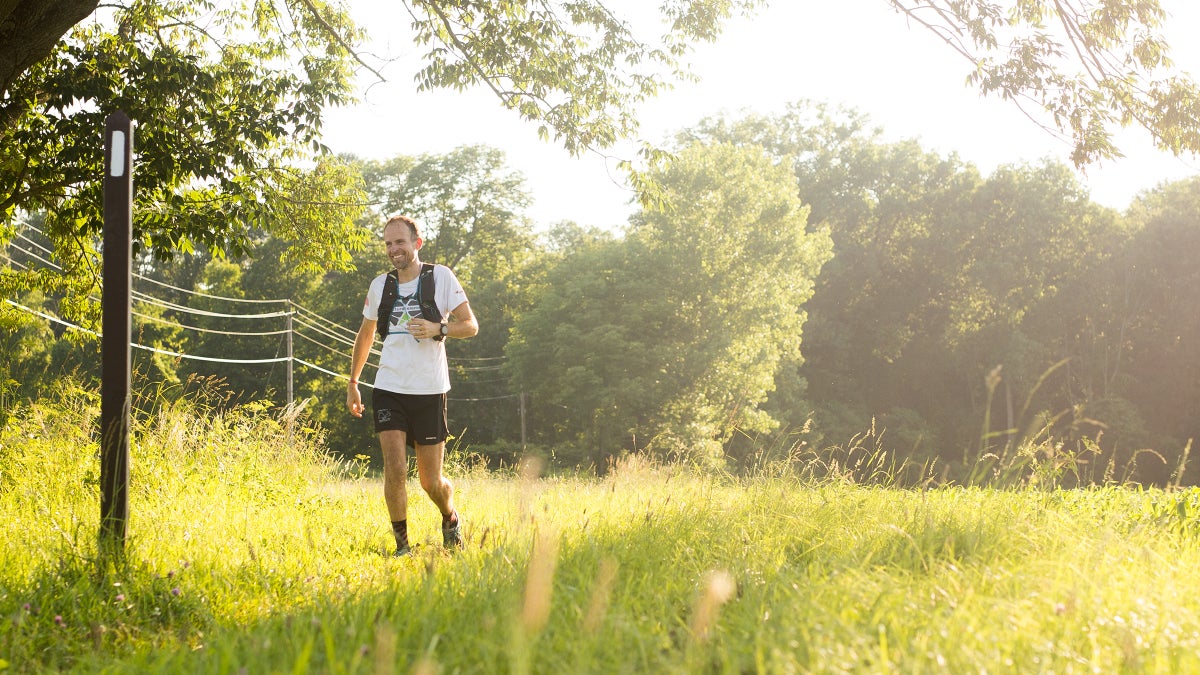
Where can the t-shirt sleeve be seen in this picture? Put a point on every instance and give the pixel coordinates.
(450, 293)
(374, 295)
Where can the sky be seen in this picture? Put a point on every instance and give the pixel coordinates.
(857, 54)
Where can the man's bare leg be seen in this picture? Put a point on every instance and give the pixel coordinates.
(395, 488)
(440, 489)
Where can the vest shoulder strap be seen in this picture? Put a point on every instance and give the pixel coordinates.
(427, 289)
(391, 290)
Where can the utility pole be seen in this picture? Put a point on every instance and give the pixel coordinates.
(115, 357)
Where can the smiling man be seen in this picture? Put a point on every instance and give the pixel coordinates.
(413, 308)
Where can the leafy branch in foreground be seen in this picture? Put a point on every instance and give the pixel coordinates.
(228, 101)
(1092, 66)
(576, 69)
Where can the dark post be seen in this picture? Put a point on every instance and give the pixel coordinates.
(114, 345)
(290, 358)
(521, 400)
(291, 364)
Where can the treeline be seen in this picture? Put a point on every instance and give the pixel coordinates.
(792, 282)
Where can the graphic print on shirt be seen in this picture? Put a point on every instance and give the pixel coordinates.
(406, 307)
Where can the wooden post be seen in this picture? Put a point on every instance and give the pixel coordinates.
(115, 354)
(291, 364)
(290, 359)
(521, 400)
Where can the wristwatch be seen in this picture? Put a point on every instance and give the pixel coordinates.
(445, 330)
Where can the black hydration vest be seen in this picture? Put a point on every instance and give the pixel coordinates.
(425, 291)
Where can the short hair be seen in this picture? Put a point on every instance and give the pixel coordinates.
(413, 228)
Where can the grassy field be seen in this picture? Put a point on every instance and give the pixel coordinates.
(250, 553)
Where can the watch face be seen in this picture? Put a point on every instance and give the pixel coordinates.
(445, 329)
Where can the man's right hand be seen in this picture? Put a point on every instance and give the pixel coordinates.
(354, 400)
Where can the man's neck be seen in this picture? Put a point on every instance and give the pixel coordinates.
(406, 275)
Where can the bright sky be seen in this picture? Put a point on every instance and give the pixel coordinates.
(859, 54)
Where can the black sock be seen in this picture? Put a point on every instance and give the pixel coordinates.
(400, 531)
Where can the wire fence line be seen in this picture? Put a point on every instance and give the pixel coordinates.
(302, 322)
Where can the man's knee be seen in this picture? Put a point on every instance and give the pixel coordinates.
(432, 484)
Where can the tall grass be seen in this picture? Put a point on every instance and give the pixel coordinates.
(249, 551)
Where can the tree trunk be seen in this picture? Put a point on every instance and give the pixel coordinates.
(29, 30)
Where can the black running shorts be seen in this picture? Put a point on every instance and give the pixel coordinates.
(422, 417)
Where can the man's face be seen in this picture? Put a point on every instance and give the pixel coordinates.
(400, 246)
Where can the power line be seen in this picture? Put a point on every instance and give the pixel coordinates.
(323, 331)
(142, 276)
(156, 350)
(204, 295)
(168, 322)
(328, 372)
(302, 310)
(302, 317)
(480, 369)
(53, 319)
(151, 300)
(35, 256)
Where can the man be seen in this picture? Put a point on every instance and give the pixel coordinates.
(409, 397)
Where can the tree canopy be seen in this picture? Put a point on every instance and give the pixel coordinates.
(229, 96)
(671, 338)
(227, 101)
(1090, 66)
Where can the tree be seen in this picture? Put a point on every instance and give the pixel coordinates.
(29, 31)
(579, 71)
(1092, 66)
(883, 204)
(229, 94)
(936, 273)
(468, 201)
(228, 107)
(670, 339)
(229, 99)
(1164, 349)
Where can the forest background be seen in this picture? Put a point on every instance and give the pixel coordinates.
(792, 283)
(935, 298)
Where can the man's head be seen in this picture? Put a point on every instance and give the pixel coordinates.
(402, 240)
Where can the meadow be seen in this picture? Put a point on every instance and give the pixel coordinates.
(250, 551)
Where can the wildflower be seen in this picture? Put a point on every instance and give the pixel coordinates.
(120, 597)
(58, 620)
(175, 591)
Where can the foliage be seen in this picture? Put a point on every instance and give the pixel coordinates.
(1092, 66)
(575, 69)
(939, 275)
(1163, 357)
(227, 103)
(671, 338)
(469, 203)
(962, 317)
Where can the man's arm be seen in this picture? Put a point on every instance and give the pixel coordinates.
(462, 323)
(358, 359)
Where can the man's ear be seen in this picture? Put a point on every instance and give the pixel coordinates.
(418, 244)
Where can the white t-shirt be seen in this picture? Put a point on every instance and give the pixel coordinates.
(409, 365)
